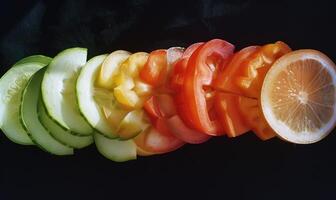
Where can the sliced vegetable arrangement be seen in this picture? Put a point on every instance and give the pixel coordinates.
(142, 104)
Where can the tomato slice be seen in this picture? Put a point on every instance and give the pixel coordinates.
(180, 66)
(245, 73)
(225, 79)
(175, 123)
(163, 107)
(259, 64)
(228, 112)
(177, 80)
(160, 106)
(166, 105)
(181, 131)
(141, 152)
(155, 70)
(197, 81)
(251, 110)
(158, 140)
(152, 109)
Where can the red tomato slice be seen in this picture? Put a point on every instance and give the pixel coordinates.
(166, 105)
(162, 106)
(152, 109)
(260, 62)
(177, 80)
(180, 66)
(198, 78)
(155, 71)
(245, 73)
(191, 49)
(228, 112)
(225, 80)
(158, 140)
(174, 54)
(181, 131)
(254, 117)
(141, 152)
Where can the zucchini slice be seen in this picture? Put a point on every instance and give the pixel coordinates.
(87, 94)
(28, 115)
(59, 90)
(116, 150)
(63, 136)
(12, 84)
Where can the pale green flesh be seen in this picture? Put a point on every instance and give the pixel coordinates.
(116, 150)
(12, 84)
(30, 119)
(59, 90)
(85, 94)
(63, 136)
(34, 59)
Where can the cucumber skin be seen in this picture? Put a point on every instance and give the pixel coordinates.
(34, 59)
(79, 99)
(116, 158)
(39, 60)
(22, 121)
(48, 112)
(77, 146)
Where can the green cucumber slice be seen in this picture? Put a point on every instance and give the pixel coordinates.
(86, 97)
(29, 117)
(59, 90)
(61, 135)
(12, 84)
(116, 150)
(35, 59)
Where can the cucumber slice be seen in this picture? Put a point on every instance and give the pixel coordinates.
(29, 118)
(116, 150)
(86, 97)
(59, 90)
(59, 133)
(12, 84)
(35, 59)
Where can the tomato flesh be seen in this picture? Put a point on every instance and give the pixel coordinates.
(230, 116)
(227, 73)
(152, 109)
(181, 131)
(251, 111)
(199, 73)
(155, 70)
(141, 152)
(245, 73)
(258, 66)
(158, 139)
(162, 107)
(180, 66)
(177, 81)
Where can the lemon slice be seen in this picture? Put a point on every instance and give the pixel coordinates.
(298, 96)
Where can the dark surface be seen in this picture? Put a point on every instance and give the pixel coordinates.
(241, 168)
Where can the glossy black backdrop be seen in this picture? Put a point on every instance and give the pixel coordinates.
(241, 168)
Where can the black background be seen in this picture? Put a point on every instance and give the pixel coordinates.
(240, 168)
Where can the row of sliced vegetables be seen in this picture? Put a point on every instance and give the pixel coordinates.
(144, 104)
